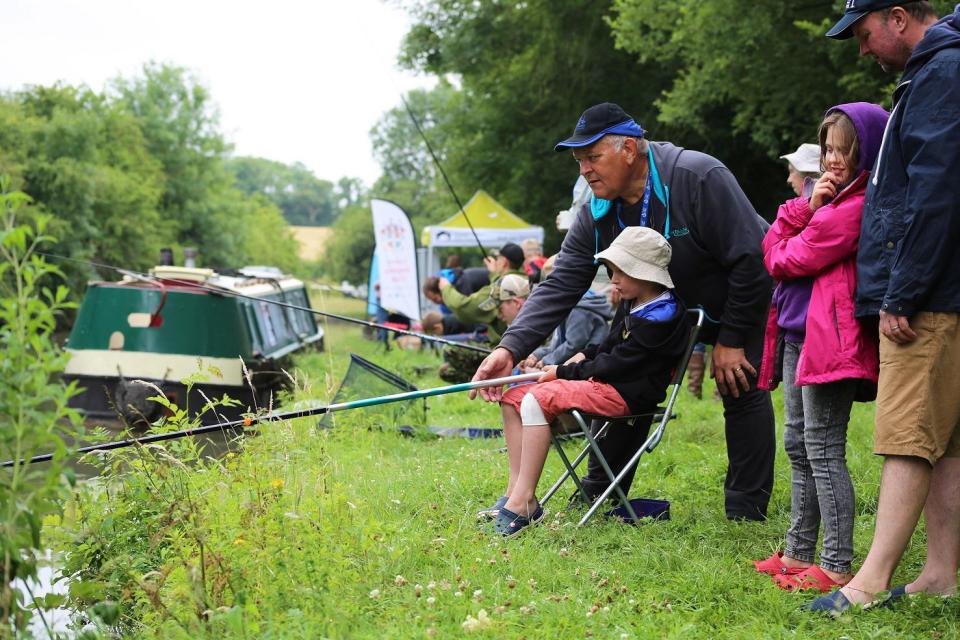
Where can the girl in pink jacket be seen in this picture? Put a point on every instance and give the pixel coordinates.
(826, 357)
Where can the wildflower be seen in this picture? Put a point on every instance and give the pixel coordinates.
(458, 594)
(375, 594)
(399, 580)
(511, 582)
(431, 600)
(482, 621)
(532, 583)
(276, 484)
(238, 540)
(431, 585)
(417, 590)
(231, 455)
(564, 553)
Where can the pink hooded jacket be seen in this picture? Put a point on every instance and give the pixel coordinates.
(822, 245)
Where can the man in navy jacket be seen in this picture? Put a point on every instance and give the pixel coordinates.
(909, 280)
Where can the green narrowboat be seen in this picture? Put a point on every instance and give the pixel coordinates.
(185, 323)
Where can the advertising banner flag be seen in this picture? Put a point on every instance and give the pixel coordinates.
(396, 259)
(373, 286)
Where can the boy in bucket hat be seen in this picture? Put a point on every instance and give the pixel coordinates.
(627, 374)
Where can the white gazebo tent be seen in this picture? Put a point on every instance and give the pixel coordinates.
(493, 223)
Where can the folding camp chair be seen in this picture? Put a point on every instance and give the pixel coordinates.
(585, 420)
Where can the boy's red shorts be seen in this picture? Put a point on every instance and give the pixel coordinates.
(560, 396)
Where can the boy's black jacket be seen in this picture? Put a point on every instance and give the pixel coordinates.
(637, 358)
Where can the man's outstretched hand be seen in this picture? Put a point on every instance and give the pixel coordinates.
(498, 364)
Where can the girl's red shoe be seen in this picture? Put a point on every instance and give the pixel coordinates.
(773, 566)
(812, 578)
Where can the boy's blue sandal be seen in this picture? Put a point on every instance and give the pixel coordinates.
(491, 512)
(509, 524)
(834, 604)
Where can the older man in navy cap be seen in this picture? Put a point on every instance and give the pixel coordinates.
(908, 282)
(696, 203)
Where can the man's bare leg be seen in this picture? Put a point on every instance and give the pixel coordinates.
(904, 484)
(942, 517)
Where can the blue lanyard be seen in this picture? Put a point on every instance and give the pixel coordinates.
(644, 210)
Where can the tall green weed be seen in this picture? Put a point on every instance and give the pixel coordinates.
(34, 416)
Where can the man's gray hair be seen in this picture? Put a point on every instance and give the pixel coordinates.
(616, 141)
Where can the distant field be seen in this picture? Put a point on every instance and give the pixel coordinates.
(312, 241)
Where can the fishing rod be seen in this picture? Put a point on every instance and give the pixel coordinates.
(443, 173)
(227, 292)
(239, 425)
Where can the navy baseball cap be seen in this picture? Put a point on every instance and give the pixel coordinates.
(600, 120)
(853, 11)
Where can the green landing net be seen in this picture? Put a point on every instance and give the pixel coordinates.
(363, 380)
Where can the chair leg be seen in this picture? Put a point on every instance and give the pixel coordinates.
(614, 484)
(571, 472)
(572, 465)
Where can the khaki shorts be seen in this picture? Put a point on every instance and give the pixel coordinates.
(918, 395)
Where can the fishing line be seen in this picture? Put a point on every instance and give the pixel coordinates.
(227, 292)
(443, 173)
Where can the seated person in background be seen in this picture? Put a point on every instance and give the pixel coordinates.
(588, 323)
(468, 280)
(533, 260)
(472, 308)
(802, 164)
(627, 374)
(438, 324)
(507, 295)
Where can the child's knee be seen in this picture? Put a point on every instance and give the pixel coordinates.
(530, 411)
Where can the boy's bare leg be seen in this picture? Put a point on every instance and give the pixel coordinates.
(903, 490)
(942, 517)
(512, 433)
(536, 445)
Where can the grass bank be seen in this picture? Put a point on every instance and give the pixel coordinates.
(363, 533)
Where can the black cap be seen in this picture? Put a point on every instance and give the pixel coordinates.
(513, 253)
(598, 121)
(853, 11)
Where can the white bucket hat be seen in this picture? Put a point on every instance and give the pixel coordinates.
(641, 253)
(806, 159)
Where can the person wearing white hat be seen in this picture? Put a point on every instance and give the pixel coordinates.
(627, 374)
(802, 164)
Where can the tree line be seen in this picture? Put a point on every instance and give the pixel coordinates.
(745, 82)
(143, 165)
